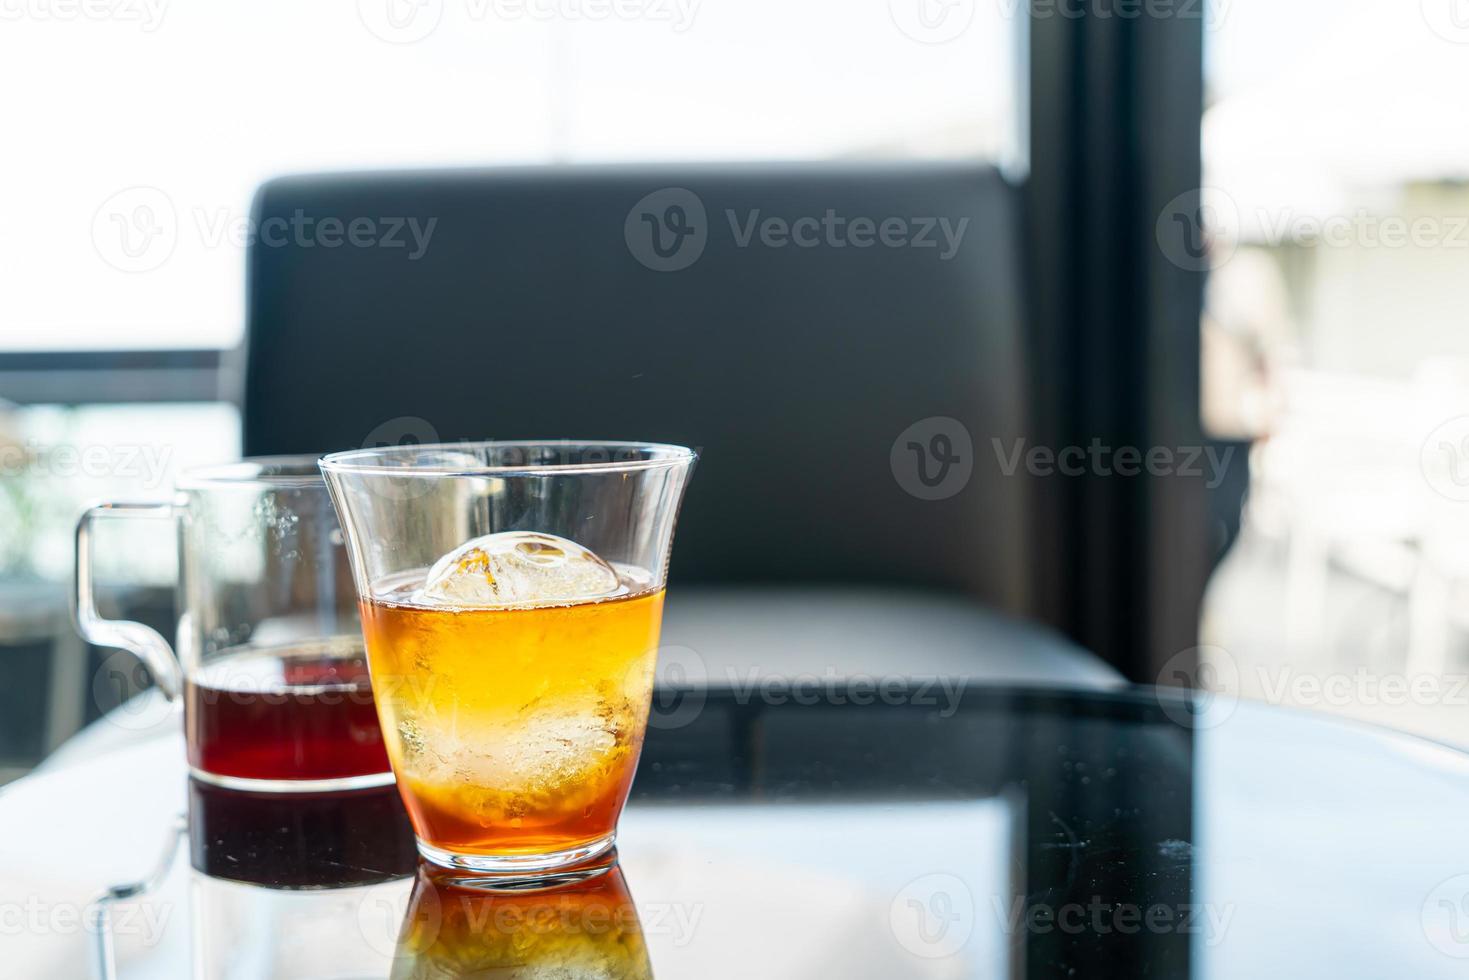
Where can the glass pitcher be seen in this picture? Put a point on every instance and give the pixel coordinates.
(269, 664)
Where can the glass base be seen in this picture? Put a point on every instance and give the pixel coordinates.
(545, 866)
(330, 785)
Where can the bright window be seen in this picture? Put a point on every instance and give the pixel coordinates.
(138, 129)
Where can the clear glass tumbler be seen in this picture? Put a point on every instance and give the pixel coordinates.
(511, 599)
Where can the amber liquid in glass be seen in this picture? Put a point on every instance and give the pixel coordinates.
(303, 711)
(513, 731)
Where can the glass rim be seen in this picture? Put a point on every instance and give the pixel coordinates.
(375, 461)
(290, 471)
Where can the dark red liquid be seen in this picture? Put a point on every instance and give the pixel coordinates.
(303, 712)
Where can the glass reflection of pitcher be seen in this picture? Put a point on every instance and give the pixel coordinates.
(584, 928)
(289, 886)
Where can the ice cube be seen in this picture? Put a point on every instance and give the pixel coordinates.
(499, 768)
(515, 567)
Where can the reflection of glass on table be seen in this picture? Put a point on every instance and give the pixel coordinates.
(586, 927)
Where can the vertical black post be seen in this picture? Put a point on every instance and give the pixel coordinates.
(1116, 102)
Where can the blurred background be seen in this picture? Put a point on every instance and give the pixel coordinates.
(1236, 230)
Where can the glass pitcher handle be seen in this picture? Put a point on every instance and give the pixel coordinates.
(142, 641)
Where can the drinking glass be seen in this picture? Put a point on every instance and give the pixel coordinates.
(512, 592)
(270, 664)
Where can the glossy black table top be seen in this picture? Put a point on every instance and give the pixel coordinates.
(995, 833)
